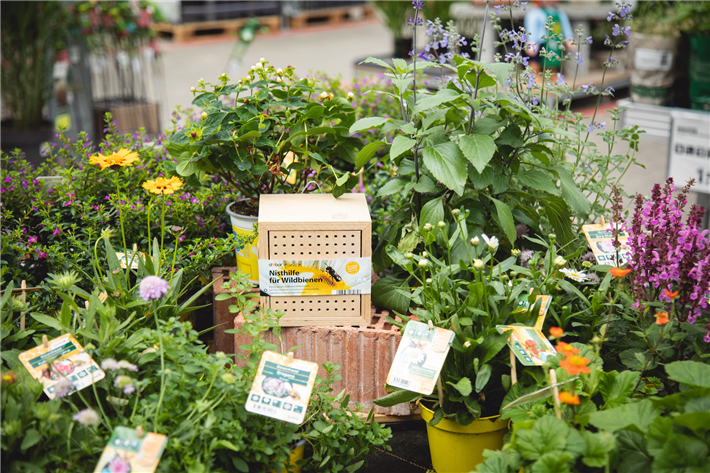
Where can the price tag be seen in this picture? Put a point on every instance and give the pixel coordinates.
(529, 344)
(282, 388)
(420, 357)
(690, 149)
(601, 241)
(69, 361)
(126, 451)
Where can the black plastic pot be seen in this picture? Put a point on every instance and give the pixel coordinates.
(402, 47)
(28, 141)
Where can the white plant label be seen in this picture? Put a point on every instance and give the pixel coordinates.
(653, 60)
(690, 149)
(315, 277)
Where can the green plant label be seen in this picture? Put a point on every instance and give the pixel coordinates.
(601, 240)
(419, 358)
(529, 344)
(545, 301)
(315, 277)
(68, 361)
(127, 451)
(282, 388)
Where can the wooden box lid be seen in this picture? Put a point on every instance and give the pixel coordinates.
(320, 208)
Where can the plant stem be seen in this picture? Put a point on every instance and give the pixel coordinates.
(120, 219)
(162, 222)
(162, 371)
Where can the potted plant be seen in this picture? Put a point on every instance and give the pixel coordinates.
(694, 18)
(32, 33)
(268, 133)
(395, 19)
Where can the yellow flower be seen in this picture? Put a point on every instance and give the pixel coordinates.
(162, 185)
(122, 157)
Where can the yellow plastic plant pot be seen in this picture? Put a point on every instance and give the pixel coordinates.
(296, 454)
(458, 449)
(247, 258)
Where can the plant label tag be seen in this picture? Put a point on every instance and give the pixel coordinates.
(524, 304)
(315, 277)
(282, 389)
(132, 258)
(126, 451)
(529, 344)
(601, 241)
(69, 361)
(420, 357)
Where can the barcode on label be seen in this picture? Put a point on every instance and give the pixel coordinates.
(347, 292)
(400, 383)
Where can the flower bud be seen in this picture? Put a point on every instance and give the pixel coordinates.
(228, 378)
(515, 252)
(466, 344)
(441, 224)
(560, 261)
(323, 95)
(204, 115)
(427, 227)
(192, 89)
(258, 66)
(456, 211)
(351, 96)
(424, 254)
(478, 264)
(423, 263)
(262, 60)
(552, 237)
(587, 264)
(279, 80)
(475, 241)
(408, 255)
(279, 71)
(428, 280)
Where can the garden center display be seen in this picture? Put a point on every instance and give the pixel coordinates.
(525, 309)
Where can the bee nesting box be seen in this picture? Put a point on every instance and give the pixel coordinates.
(314, 258)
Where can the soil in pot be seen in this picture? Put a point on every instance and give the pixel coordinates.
(247, 207)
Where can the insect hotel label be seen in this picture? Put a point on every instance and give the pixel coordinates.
(601, 240)
(127, 452)
(419, 358)
(281, 389)
(69, 361)
(315, 277)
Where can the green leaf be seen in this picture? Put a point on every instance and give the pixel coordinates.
(425, 186)
(49, 321)
(616, 388)
(571, 193)
(478, 149)
(366, 124)
(538, 180)
(385, 295)
(391, 187)
(379, 62)
(484, 374)
(633, 358)
(446, 162)
(401, 144)
(559, 216)
(598, 446)
(366, 153)
(698, 422)
(637, 417)
(690, 373)
(431, 101)
(31, 438)
(682, 454)
(631, 448)
(552, 463)
(397, 397)
(500, 69)
(546, 435)
(240, 464)
(432, 213)
(505, 216)
(487, 125)
(463, 386)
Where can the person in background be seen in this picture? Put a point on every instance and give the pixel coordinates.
(535, 21)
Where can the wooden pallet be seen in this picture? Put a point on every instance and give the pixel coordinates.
(331, 15)
(185, 31)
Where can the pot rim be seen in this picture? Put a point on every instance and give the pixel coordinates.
(248, 218)
(481, 425)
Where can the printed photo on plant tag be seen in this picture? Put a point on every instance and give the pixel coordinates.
(545, 300)
(69, 362)
(126, 452)
(282, 389)
(601, 241)
(419, 358)
(124, 259)
(315, 277)
(529, 344)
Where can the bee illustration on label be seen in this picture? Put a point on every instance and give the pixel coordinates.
(336, 277)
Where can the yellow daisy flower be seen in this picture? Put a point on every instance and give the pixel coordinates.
(122, 157)
(162, 185)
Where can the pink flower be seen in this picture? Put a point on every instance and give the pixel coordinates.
(153, 287)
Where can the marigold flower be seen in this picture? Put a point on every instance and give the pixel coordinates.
(575, 364)
(123, 157)
(568, 398)
(661, 317)
(162, 185)
(567, 349)
(669, 294)
(556, 332)
(618, 272)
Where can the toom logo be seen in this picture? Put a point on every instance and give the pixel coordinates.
(352, 267)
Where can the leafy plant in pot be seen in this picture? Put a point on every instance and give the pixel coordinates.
(268, 133)
(470, 296)
(32, 33)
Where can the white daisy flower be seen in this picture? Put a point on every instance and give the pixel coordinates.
(579, 276)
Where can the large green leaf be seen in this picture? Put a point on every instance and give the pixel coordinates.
(432, 213)
(385, 294)
(637, 417)
(559, 216)
(505, 216)
(463, 386)
(598, 447)
(616, 388)
(571, 193)
(396, 397)
(366, 153)
(538, 180)
(690, 373)
(478, 149)
(392, 187)
(500, 69)
(400, 144)
(446, 162)
(631, 447)
(431, 101)
(682, 454)
(366, 124)
(484, 374)
(547, 435)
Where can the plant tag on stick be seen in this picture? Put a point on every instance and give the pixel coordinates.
(131, 258)
(545, 301)
(282, 387)
(601, 240)
(529, 344)
(69, 361)
(129, 450)
(420, 357)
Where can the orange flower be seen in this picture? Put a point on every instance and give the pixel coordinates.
(556, 332)
(575, 364)
(568, 398)
(661, 317)
(162, 185)
(122, 157)
(567, 349)
(669, 294)
(618, 272)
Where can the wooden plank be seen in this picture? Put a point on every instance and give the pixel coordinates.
(315, 208)
(183, 31)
